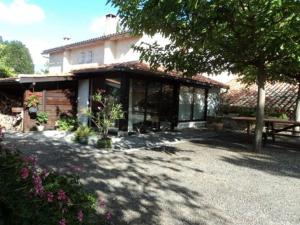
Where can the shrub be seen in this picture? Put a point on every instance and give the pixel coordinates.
(104, 143)
(29, 195)
(67, 124)
(41, 118)
(82, 133)
(107, 112)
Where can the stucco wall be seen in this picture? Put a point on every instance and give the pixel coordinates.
(103, 52)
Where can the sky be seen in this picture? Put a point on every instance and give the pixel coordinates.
(42, 24)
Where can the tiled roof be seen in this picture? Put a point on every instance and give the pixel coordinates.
(89, 41)
(279, 96)
(136, 66)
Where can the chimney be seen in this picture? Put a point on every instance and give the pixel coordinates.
(111, 23)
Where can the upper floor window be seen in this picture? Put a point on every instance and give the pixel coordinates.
(81, 58)
(89, 57)
(85, 57)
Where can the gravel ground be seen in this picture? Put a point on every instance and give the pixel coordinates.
(211, 179)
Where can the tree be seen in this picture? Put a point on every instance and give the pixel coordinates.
(248, 38)
(16, 56)
(5, 71)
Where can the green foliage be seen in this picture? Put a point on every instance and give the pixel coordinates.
(32, 101)
(29, 195)
(247, 38)
(82, 133)
(106, 114)
(41, 118)
(104, 143)
(16, 56)
(67, 123)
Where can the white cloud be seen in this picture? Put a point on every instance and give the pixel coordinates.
(19, 12)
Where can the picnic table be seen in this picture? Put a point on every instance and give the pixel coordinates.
(270, 129)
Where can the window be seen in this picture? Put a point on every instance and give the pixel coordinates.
(89, 57)
(191, 104)
(199, 104)
(185, 103)
(81, 58)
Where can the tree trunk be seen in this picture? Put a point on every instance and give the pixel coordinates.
(260, 110)
(297, 111)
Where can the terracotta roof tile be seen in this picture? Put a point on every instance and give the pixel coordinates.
(279, 96)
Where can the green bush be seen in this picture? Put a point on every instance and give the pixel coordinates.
(104, 143)
(29, 195)
(67, 124)
(82, 134)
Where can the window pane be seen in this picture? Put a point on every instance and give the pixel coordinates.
(138, 103)
(153, 103)
(167, 111)
(199, 104)
(185, 103)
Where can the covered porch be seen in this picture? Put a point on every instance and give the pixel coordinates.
(151, 100)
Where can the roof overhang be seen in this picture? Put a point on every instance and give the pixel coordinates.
(143, 68)
(23, 79)
(111, 37)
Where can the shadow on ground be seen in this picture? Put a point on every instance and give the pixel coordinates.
(136, 187)
(281, 158)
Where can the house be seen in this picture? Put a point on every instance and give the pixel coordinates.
(152, 100)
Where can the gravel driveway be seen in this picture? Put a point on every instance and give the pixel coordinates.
(211, 179)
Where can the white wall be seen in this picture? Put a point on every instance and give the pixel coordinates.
(103, 52)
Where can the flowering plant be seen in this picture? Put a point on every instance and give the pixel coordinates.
(29, 195)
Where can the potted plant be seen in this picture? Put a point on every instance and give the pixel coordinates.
(32, 104)
(107, 112)
(82, 134)
(41, 119)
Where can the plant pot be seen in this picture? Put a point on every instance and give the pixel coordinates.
(32, 110)
(40, 128)
(83, 140)
(104, 143)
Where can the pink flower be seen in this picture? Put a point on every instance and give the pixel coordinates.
(61, 195)
(108, 215)
(38, 186)
(45, 173)
(24, 173)
(63, 221)
(50, 197)
(80, 216)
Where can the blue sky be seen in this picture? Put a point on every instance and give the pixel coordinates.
(42, 24)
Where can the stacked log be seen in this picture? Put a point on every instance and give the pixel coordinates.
(8, 101)
(9, 119)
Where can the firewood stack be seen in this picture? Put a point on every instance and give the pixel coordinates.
(7, 102)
